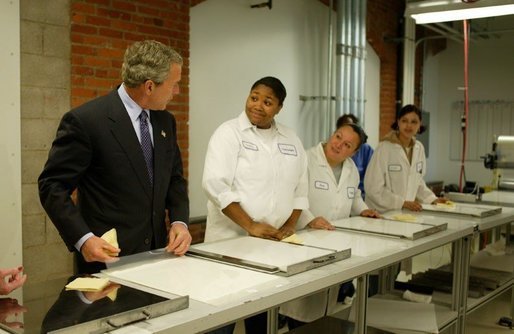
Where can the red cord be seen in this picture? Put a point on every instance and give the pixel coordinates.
(466, 104)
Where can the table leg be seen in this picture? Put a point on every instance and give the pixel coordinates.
(361, 306)
(273, 320)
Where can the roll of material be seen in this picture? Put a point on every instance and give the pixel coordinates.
(417, 297)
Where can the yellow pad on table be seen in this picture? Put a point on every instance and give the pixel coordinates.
(405, 217)
(87, 284)
(293, 239)
(446, 205)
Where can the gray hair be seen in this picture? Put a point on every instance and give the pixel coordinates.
(148, 60)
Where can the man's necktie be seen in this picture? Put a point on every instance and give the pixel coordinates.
(146, 143)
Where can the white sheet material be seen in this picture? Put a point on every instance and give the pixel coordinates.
(381, 226)
(205, 281)
(360, 244)
(279, 254)
(465, 209)
(396, 316)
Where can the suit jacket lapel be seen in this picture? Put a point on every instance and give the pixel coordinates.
(123, 130)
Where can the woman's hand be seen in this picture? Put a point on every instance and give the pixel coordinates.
(264, 230)
(412, 206)
(321, 223)
(440, 200)
(370, 213)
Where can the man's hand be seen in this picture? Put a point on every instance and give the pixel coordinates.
(93, 296)
(412, 206)
(264, 230)
(370, 213)
(97, 249)
(321, 223)
(179, 239)
(11, 279)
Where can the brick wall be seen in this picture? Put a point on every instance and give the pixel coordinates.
(383, 20)
(101, 30)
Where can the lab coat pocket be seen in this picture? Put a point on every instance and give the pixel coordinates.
(396, 178)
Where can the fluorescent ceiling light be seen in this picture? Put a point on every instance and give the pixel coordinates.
(455, 10)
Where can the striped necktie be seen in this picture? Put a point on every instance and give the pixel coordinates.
(146, 144)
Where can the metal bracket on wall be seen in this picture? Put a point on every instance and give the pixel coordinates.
(324, 98)
(268, 4)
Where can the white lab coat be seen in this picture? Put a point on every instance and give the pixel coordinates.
(391, 180)
(332, 200)
(268, 182)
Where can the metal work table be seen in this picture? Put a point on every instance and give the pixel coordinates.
(369, 253)
(495, 222)
(201, 317)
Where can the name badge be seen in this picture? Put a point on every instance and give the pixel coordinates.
(394, 168)
(287, 149)
(351, 192)
(321, 185)
(249, 146)
(419, 167)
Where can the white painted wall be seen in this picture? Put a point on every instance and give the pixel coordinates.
(233, 45)
(10, 147)
(491, 65)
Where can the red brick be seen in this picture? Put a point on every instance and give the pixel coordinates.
(82, 29)
(83, 50)
(98, 21)
(113, 14)
(143, 9)
(110, 53)
(82, 7)
(96, 62)
(124, 5)
(110, 33)
(82, 70)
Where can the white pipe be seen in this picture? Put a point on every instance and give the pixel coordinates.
(329, 118)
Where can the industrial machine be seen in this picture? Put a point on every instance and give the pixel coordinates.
(501, 161)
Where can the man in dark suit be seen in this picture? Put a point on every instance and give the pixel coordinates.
(120, 152)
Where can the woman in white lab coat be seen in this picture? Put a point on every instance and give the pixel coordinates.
(255, 176)
(394, 178)
(333, 194)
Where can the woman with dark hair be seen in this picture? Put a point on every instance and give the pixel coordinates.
(255, 176)
(394, 178)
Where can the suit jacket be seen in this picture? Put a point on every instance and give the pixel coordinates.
(96, 150)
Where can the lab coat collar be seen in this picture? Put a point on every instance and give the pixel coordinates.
(323, 162)
(244, 124)
(392, 137)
